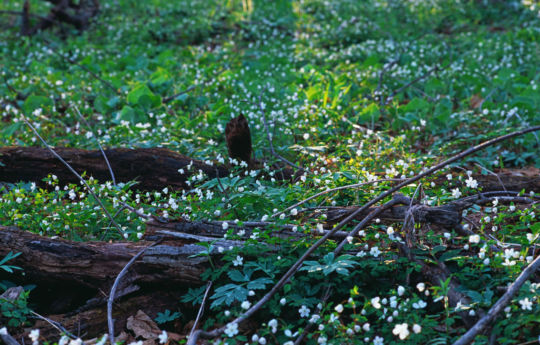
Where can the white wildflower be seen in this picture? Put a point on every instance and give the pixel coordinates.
(401, 330)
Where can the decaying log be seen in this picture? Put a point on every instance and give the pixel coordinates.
(157, 168)
(509, 179)
(76, 13)
(437, 275)
(92, 321)
(153, 168)
(96, 264)
(446, 216)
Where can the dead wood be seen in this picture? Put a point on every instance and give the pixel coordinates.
(94, 265)
(511, 179)
(238, 139)
(157, 168)
(437, 275)
(75, 13)
(91, 321)
(446, 216)
(153, 168)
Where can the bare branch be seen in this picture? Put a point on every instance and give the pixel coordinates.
(99, 144)
(115, 286)
(294, 268)
(356, 185)
(201, 309)
(171, 98)
(83, 181)
(7, 338)
(469, 336)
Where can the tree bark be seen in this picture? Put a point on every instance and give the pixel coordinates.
(153, 168)
(95, 265)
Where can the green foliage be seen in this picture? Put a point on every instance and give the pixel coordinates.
(9, 268)
(351, 93)
(15, 312)
(167, 316)
(229, 293)
(340, 265)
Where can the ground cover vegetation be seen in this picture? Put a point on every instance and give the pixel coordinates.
(338, 92)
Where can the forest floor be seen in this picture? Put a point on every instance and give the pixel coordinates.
(296, 172)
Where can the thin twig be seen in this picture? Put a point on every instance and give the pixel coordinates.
(89, 71)
(356, 185)
(486, 98)
(99, 144)
(111, 172)
(201, 309)
(270, 142)
(83, 181)
(7, 338)
(468, 337)
(171, 98)
(492, 173)
(414, 81)
(56, 325)
(398, 199)
(224, 191)
(110, 223)
(294, 268)
(110, 300)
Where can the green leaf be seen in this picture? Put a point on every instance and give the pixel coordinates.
(369, 114)
(437, 249)
(259, 283)
(141, 95)
(34, 102)
(340, 265)
(451, 254)
(195, 296)
(237, 276)
(416, 104)
(160, 76)
(167, 316)
(11, 129)
(127, 114)
(228, 294)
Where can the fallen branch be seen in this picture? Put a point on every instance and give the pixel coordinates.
(412, 82)
(74, 13)
(7, 338)
(469, 336)
(173, 97)
(110, 300)
(201, 309)
(294, 268)
(331, 190)
(92, 264)
(79, 177)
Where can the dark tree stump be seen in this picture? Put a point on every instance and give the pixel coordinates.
(238, 139)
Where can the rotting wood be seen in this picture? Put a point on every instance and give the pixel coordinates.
(78, 14)
(152, 168)
(157, 168)
(96, 264)
(93, 320)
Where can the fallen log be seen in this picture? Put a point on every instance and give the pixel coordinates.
(78, 14)
(152, 168)
(157, 168)
(94, 265)
(92, 321)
